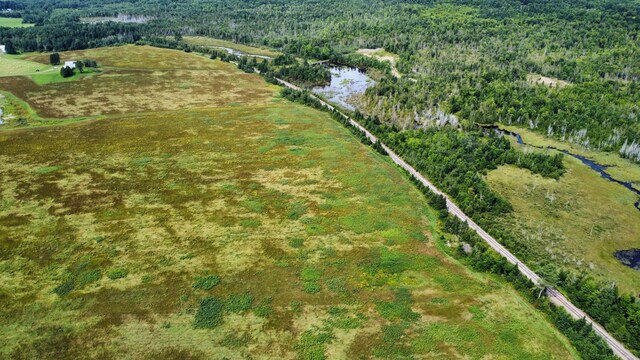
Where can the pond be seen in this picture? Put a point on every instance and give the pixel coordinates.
(346, 83)
(630, 257)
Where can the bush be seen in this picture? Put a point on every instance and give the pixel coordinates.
(239, 302)
(54, 59)
(64, 288)
(117, 273)
(209, 314)
(66, 72)
(310, 278)
(89, 276)
(206, 282)
(296, 243)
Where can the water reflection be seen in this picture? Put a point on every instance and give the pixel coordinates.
(345, 83)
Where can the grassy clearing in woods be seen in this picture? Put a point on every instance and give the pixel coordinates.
(579, 220)
(12, 22)
(263, 229)
(250, 50)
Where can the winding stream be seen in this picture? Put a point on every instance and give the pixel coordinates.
(631, 257)
(599, 168)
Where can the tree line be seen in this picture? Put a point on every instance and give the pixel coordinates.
(480, 257)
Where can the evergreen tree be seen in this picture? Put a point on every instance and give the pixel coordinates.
(54, 59)
(9, 48)
(66, 72)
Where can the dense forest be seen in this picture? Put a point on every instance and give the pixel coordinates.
(568, 69)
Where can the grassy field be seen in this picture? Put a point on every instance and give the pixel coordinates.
(622, 169)
(250, 50)
(259, 230)
(580, 220)
(12, 22)
(16, 65)
(140, 79)
(40, 72)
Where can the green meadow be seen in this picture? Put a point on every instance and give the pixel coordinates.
(580, 220)
(232, 225)
(15, 65)
(12, 22)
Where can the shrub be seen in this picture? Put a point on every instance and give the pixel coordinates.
(89, 276)
(296, 211)
(206, 282)
(117, 273)
(310, 274)
(264, 308)
(66, 72)
(209, 314)
(310, 278)
(398, 309)
(296, 243)
(239, 302)
(311, 287)
(64, 288)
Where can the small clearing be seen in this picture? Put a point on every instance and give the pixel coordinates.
(383, 55)
(546, 81)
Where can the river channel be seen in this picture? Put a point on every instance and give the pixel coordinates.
(631, 257)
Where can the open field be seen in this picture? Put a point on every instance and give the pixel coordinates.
(16, 65)
(40, 72)
(622, 169)
(140, 79)
(546, 81)
(260, 230)
(578, 221)
(249, 50)
(55, 77)
(382, 55)
(12, 22)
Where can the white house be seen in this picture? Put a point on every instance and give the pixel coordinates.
(71, 64)
(2, 49)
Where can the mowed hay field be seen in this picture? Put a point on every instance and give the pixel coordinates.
(261, 231)
(12, 65)
(12, 22)
(139, 79)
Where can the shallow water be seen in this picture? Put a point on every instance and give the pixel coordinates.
(345, 83)
(630, 258)
(599, 168)
(238, 53)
